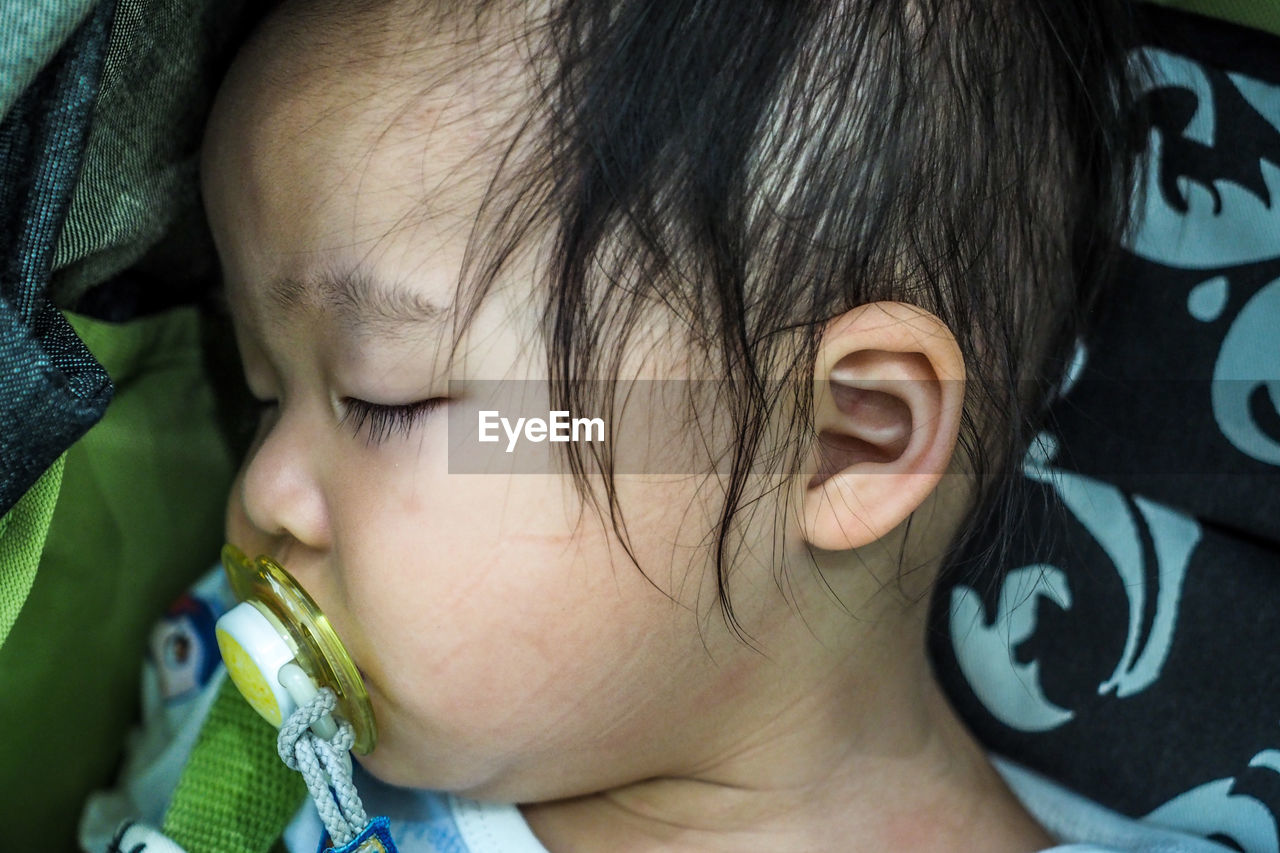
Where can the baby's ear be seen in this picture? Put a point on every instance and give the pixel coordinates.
(889, 391)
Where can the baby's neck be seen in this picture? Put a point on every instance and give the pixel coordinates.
(906, 779)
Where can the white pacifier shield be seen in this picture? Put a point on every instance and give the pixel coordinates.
(254, 652)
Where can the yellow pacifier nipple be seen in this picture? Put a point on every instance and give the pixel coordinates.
(280, 649)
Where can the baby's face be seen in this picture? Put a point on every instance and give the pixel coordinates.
(510, 648)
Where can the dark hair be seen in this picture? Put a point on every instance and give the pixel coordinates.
(762, 167)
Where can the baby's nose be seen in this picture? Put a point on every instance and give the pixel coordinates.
(280, 491)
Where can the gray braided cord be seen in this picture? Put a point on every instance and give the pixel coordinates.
(324, 766)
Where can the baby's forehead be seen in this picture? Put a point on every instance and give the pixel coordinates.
(324, 95)
(378, 52)
(295, 71)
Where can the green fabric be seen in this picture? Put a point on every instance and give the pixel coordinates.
(22, 535)
(137, 194)
(235, 795)
(140, 515)
(1258, 14)
(31, 31)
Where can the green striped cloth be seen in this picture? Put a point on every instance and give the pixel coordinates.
(235, 794)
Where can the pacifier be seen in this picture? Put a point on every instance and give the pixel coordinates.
(280, 650)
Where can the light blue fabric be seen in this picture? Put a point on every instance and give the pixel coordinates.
(1083, 825)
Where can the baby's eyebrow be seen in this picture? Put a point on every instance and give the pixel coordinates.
(366, 305)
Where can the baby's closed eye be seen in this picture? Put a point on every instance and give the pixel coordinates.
(380, 421)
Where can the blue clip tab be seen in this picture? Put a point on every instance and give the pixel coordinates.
(375, 838)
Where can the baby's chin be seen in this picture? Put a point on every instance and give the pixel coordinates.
(454, 774)
(382, 766)
(409, 765)
(467, 759)
(392, 768)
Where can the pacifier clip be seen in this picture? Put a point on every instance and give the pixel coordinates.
(287, 661)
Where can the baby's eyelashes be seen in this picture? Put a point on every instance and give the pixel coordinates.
(379, 422)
